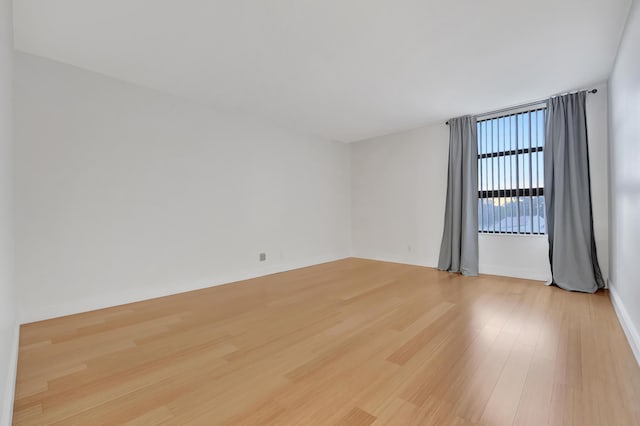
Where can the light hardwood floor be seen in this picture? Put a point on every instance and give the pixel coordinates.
(352, 342)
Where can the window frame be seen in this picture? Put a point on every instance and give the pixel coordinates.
(517, 192)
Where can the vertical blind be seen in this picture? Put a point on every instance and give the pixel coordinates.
(511, 173)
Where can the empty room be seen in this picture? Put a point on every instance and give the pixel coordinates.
(349, 212)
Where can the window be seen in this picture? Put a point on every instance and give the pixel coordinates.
(511, 173)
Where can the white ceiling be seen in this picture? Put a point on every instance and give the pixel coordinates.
(343, 69)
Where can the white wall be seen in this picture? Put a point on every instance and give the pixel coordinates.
(398, 191)
(124, 193)
(7, 309)
(624, 133)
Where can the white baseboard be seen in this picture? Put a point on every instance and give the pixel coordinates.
(6, 410)
(40, 313)
(395, 259)
(505, 271)
(627, 325)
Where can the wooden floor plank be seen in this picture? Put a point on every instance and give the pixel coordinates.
(355, 342)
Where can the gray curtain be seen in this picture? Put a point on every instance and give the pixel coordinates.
(459, 248)
(567, 194)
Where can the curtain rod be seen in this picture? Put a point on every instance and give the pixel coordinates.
(498, 111)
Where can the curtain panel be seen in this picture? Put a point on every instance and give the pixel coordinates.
(567, 193)
(459, 248)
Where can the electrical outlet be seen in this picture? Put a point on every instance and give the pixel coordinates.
(263, 257)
